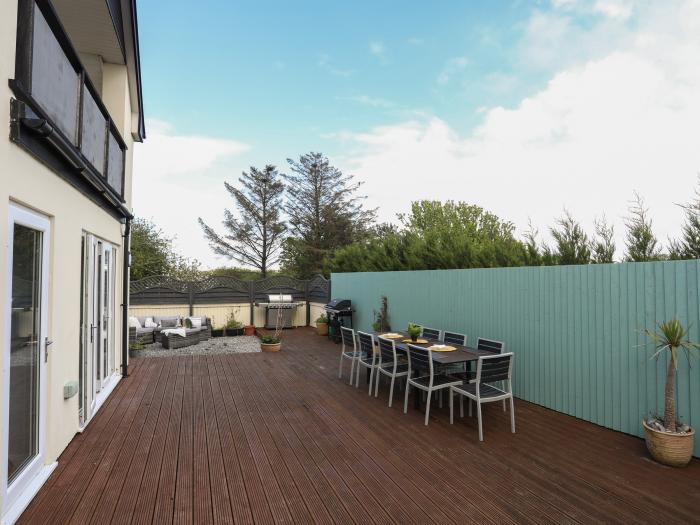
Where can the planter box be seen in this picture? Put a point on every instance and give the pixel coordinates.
(217, 333)
(231, 332)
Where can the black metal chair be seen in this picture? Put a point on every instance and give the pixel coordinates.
(367, 357)
(489, 369)
(348, 350)
(391, 364)
(420, 358)
(490, 345)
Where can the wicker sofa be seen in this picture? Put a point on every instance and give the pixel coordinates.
(147, 335)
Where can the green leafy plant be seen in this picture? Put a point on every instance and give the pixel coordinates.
(381, 318)
(231, 322)
(270, 339)
(136, 347)
(671, 336)
(323, 318)
(414, 330)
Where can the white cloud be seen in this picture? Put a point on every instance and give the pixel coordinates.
(626, 120)
(451, 67)
(179, 177)
(367, 100)
(326, 63)
(613, 8)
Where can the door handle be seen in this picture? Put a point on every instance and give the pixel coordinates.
(47, 342)
(92, 332)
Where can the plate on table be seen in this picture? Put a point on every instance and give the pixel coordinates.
(391, 336)
(442, 348)
(417, 341)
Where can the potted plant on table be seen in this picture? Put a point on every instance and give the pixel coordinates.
(414, 331)
(670, 441)
(322, 325)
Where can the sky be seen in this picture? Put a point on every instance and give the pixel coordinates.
(525, 108)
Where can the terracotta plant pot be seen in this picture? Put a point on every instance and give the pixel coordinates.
(249, 330)
(270, 347)
(674, 450)
(322, 328)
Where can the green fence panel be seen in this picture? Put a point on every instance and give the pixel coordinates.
(575, 330)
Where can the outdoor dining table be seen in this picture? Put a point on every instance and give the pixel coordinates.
(461, 354)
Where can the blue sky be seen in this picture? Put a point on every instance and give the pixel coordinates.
(285, 74)
(524, 108)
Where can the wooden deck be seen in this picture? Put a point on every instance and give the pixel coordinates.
(267, 438)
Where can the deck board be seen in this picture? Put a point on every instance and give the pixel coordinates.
(278, 438)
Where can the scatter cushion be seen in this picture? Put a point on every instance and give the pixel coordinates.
(169, 322)
(194, 322)
(150, 323)
(134, 322)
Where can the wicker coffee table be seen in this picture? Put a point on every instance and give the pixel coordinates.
(171, 341)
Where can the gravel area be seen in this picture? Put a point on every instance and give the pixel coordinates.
(215, 345)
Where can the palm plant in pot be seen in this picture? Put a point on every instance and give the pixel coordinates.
(322, 325)
(670, 441)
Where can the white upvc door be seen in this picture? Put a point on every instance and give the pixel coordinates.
(25, 352)
(97, 349)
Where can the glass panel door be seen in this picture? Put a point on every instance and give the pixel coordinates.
(25, 333)
(25, 352)
(97, 348)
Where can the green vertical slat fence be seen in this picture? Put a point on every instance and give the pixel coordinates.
(575, 330)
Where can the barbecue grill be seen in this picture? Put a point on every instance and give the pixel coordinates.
(339, 312)
(279, 306)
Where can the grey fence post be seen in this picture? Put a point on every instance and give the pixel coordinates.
(308, 304)
(251, 299)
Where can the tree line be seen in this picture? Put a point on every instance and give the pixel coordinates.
(312, 220)
(447, 235)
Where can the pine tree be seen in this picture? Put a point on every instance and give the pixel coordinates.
(325, 213)
(255, 237)
(641, 243)
(532, 249)
(603, 246)
(688, 246)
(571, 242)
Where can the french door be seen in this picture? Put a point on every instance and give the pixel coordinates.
(25, 353)
(97, 356)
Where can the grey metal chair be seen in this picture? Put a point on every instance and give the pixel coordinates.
(483, 344)
(348, 350)
(367, 358)
(454, 338)
(497, 368)
(432, 334)
(391, 364)
(420, 358)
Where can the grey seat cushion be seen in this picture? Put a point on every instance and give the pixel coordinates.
(170, 321)
(144, 330)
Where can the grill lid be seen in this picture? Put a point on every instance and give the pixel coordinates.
(279, 298)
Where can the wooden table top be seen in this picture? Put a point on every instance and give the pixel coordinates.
(463, 354)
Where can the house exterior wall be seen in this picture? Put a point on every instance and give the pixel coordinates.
(28, 182)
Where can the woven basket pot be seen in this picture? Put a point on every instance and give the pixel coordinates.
(322, 328)
(270, 347)
(674, 450)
